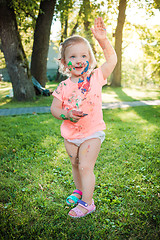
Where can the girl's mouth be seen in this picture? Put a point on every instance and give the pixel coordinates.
(79, 65)
(78, 68)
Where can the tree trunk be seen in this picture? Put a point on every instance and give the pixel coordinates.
(41, 41)
(116, 75)
(14, 54)
(87, 24)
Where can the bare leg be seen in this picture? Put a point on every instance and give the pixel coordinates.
(72, 151)
(88, 153)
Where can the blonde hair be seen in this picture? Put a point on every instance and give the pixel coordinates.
(68, 42)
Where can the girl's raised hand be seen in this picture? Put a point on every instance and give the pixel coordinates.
(99, 30)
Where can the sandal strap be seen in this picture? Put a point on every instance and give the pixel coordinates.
(78, 192)
(77, 211)
(73, 198)
(84, 204)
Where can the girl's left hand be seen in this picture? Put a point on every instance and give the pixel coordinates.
(74, 116)
(99, 30)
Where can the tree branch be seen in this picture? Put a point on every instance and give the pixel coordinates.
(77, 23)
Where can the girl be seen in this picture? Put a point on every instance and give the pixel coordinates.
(77, 101)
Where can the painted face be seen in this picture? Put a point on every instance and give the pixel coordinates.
(77, 58)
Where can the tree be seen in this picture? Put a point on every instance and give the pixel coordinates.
(151, 45)
(63, 10)
(14, 54)
(87, 11)
(77, 21)
(22, 10)
(41, 41)
(116, 75)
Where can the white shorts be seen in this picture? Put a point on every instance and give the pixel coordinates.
(78, 142)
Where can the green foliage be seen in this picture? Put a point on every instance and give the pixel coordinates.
(25, 9)
(26, 15)
(75, 15)
(36, 178)
(143, 68)
(63, 10)
(156, 4)
(2, 60)
(151, 45)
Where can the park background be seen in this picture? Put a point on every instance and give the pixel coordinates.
(35, 176)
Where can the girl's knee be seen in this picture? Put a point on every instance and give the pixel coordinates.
(84, 168)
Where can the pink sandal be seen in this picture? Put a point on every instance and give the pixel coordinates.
(90, 208)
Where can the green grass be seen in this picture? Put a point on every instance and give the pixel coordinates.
(36, 179)
(6, 102)
(108, 95)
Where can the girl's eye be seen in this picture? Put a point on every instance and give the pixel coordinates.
(84, 56)
(72, 56)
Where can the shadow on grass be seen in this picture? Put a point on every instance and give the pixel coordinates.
(123, 96)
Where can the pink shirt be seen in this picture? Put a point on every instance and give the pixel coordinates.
(82, 96)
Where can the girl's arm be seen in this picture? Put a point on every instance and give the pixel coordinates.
(57, 111)
(99, 32)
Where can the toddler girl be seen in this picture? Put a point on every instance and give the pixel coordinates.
(77, 101)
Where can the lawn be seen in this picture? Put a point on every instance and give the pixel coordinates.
(36, 178)
(109, 94)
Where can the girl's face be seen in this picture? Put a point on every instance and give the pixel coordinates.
(77, 58)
